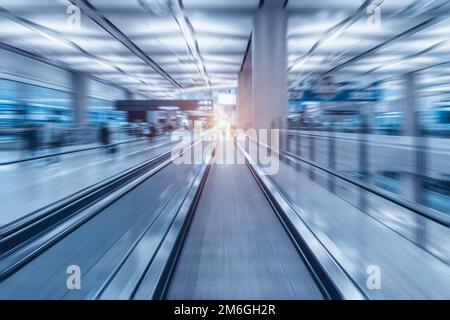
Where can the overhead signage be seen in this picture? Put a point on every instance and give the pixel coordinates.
(356, 95)
(158, 105)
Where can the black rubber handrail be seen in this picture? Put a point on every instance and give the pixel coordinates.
(190, 203)
(334, 136)
(69, 152)
(161, 261)
(21, 230)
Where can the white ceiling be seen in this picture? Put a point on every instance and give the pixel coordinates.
(315, 23)
(202, 42)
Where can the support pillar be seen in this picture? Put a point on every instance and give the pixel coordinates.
(413, 179)
(80, 99)
(244, 99)
(269, 66)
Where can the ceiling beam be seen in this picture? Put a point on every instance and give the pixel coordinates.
(186, 28)
(58, 65)
(332, 33)
(387, 12)
(399, 37)
(60, 38)
(103, 22)
(247, 53)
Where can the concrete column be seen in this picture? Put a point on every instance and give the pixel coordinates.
(239, 103)
(244, 99)
(312, 154)
(130, 96)
(298, 149)
(363, 160)
(331, 157)
(413, 181)
(269, 66)
(410, 105)
(80, 98)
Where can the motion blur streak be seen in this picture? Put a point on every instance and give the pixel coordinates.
(324, 170)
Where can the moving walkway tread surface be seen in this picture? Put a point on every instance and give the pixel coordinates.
(236, 248)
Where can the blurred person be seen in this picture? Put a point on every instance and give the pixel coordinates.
(55, 141)
(136, 129)
(169, 127)
(31, 139)
(152, 131)
(302, 120)
(105, 137)
(128, 129)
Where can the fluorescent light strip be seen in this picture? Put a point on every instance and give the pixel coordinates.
(186, 30)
